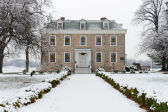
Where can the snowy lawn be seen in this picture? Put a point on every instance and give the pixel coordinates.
(83, 93)
(154, 84)
(9, 69)
(12, 84)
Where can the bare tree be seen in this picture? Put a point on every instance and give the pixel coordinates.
(151, 16)
(20, 22)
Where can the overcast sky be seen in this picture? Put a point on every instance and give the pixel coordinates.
(122, 11)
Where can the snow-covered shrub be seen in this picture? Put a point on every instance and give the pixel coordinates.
(32, 93)
(40, 72)
(150, 104)
(32, 73)
(68, 69)
(24, 71)
(115, 71)
(123, 71)
(100, 70)
(58, 71)
(54, 83)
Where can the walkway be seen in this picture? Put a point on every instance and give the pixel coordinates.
(83, 93)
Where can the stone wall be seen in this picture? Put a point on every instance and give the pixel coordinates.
(106, 49)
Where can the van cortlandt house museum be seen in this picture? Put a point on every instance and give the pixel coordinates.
(83, 45)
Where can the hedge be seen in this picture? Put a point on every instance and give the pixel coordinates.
(149, 104)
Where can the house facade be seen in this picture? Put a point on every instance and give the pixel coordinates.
(83, 45)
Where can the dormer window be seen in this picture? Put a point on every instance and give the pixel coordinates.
(83, 25)
(106, 25)
(60, 25)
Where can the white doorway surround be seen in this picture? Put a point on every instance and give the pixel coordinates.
(82, 60)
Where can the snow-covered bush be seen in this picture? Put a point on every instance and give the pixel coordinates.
(32, 93)
(148, 103)
(24, 71)
(68, 69)
(115, 71)
(100, 70)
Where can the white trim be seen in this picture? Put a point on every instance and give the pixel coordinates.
(116, 57)
(50, 41)
(116, 39)
(96, 39)
(69, 40)
(85, 40)
(70, 57)
(96, 57)
(55, 31)
(61, 23)
(55, 57)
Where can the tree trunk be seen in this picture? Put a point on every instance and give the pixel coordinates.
(1, 59)
(163, 63)
(27, 59)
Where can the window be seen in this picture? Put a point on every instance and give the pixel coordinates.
(67, 57)
(60, 25)
(52, 57)
(105, 25)
(98, 57)
(82, 40)
(113, 41)
(52, 40)
(67, 40)
(113, 57)
(98, 40)
(82, 25)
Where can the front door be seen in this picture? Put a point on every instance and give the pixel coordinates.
(83, 60)
(83, 57)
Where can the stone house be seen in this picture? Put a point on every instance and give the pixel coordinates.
(83, 45)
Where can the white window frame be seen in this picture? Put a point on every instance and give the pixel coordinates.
(110, 57)
(69, 40)
(96, 40)
(96, 57)
(84, 25)
(85, 40)
(70, 57)
(58, 23)
(110, 40)
(50, 39)
(107, 25)
(55, 57)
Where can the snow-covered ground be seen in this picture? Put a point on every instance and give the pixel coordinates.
(83, 93)
(8, 69)
(10, 85)
(154, 84)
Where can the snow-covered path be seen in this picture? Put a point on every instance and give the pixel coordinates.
(83, 93)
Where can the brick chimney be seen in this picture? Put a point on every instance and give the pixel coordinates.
(62, 18)
(103, 18)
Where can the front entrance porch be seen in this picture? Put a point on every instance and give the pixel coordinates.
(82, 60)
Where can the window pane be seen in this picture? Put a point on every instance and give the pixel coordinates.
(98, 40)
(98, 57)
(52, 57)
(113, 57)
(105, 25)
(83, 40)
(67, 40)
(67, 57)
(60, 25)
(52, 40)
(82, 25)
(113, 40)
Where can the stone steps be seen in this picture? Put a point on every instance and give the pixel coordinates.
(82, 70)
